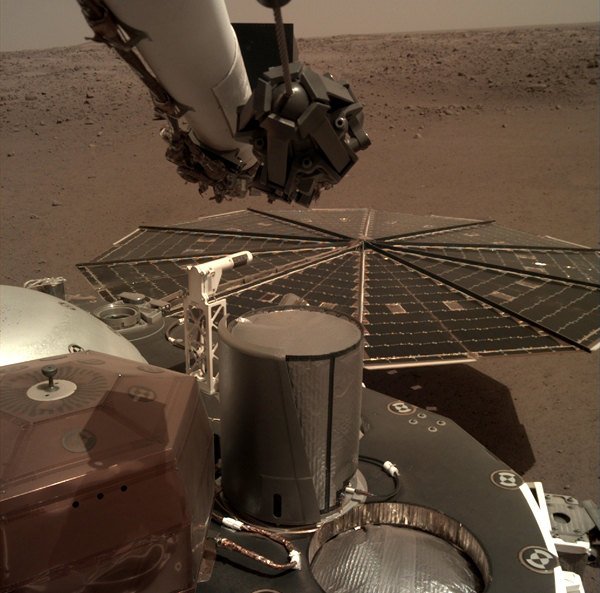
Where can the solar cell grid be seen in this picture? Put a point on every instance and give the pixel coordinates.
(565, 309)
(393, 224)
(485, 235)
(430, 289)
(350, 222)
(582, 266)
(251, 222)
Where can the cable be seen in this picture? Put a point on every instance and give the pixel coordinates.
(283, 55)
(390, 469)
(178, 342)
(237, 525)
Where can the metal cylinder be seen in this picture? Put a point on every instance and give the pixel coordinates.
(290, 411)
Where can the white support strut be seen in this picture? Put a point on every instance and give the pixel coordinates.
(202, 315)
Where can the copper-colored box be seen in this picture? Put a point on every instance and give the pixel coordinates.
(109, 488)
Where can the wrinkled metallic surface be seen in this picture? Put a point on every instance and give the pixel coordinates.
(390, 559)
(324, 360)
(378, 552)
(330, 438)
(109, 489)
(37, 325)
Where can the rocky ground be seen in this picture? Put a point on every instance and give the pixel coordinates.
(496, 124)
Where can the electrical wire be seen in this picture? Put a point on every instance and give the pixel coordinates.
(237, 525)
(390, 469)
(177, 342)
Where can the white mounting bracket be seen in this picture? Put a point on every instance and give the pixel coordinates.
(202, 315)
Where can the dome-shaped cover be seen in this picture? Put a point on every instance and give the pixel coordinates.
(112, 482)
(35, 324)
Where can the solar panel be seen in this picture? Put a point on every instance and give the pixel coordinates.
(332, 284)
(161, 278)
(484, 235)
(568, 310)
(350, 223)
(427, 289)
(163, 243)
(574, 266)
(251, 222)
(394, 224)
(409, 316)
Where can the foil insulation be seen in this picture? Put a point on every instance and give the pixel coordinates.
(348, 555)
(390, 559)
(290, 387)
(327, 394)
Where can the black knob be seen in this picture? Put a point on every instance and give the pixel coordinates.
(273, 3)
(49, 371)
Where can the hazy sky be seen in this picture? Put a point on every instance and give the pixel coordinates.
(38, 24)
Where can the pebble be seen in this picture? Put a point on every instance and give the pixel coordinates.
(56, 203)
(504, 125)
(34, 217)
(30, 97)
(10, 154)
(417, 136)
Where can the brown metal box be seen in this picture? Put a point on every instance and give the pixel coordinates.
(108, 489)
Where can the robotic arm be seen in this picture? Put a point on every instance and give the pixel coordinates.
(296, 134)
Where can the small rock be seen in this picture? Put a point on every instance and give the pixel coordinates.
(417, 136)
(56, 203)
(34, 217)
(59, 121)
(42, 123)
(537, 87)
(42, 261)
(92, 145)
(89, 96)
(593, 81)
(89, 122)
(99, 134)
(566, 487)
(30, 97)
(592, 64)
(558, 107)
(504, 125)
(10, 154)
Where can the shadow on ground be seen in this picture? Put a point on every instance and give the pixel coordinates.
(477, 403)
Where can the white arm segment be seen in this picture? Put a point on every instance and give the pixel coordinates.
(193, 51)
(203, 279)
